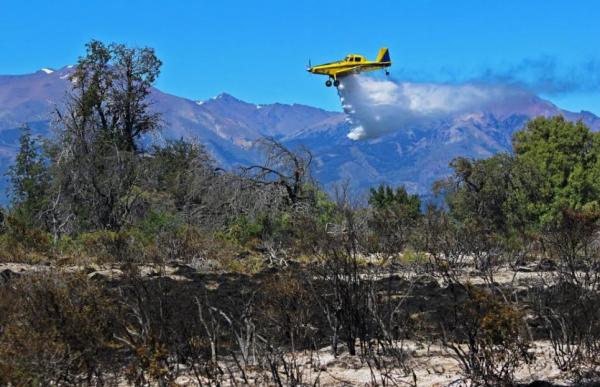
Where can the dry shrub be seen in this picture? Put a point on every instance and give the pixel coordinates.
(570, 319)
(195, 246)
(488, 336)
(284, 321)
(343, 291)
(285, 305)
(106, 246)
(56, 329)
(184, 243)
(20, 243)
(566, 304)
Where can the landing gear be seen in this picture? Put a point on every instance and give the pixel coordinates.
(335, 83)
(387, 72)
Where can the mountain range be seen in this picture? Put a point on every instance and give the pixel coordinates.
(414, 158)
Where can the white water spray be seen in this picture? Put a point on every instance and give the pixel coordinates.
(379, 106)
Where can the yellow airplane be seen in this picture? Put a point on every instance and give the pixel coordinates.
(351, 64)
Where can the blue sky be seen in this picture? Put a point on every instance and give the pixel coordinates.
(258, 50)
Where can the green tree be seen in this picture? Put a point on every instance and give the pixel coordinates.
(97, 169)
(566, 157)
(183, 170)
(29, 181)
(555, 166)
(112, 85)
(478, 191)
(395, 214)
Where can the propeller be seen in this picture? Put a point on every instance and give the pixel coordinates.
(309, 64)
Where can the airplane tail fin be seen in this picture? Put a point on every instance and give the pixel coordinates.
(384, 55)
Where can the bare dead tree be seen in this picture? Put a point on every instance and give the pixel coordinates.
(282, 167)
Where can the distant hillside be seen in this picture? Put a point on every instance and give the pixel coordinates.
(415, 157)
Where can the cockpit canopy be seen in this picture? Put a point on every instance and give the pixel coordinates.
(354, 58)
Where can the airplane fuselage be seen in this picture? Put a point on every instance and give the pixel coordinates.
(347, 67)
(351, 64)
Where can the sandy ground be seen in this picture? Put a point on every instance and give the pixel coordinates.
(432, 366)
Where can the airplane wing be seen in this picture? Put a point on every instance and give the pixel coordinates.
(355, 70)
(346, 71)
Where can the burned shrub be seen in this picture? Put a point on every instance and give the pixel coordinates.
(486, 334)
(565, 302)
(57, 328)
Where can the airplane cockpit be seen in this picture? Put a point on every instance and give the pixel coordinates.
(354, 58)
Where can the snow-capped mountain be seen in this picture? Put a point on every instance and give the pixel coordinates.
(227, 126)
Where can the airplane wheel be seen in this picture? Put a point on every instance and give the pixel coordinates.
(336, 83)
(328, 83)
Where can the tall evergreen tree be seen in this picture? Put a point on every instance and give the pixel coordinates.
(29, 181)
